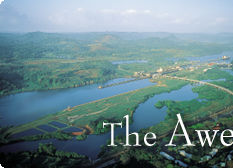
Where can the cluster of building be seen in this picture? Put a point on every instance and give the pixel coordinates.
(169, 69)
(225, 57)
(224, 65)
(189, 66)
(160, 71)
(178, 162)
(206, 158)
(143, 74)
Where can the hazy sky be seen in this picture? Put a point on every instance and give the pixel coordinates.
(116, 15)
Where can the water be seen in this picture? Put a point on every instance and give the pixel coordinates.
(25, 107)
(72, 129)
(206, 58)
(211, 57)
(47, 128)
(145, 116)
(118, 80)
(129, 62)
(214, 80)
(28, 132)
(57, 124)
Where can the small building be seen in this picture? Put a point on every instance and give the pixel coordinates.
(77, 133)
(136, 74)
(211, 64)
(187, 155)
(180, 163)
(160, 70)
(229, 157)
(225, 57)
(68, 108)
(167, 156)
(205, 70)
(217, 127)
(155, 76)
(205, 158)
(191, 69)
(222, 164)
(148, 75)
(179, 68)
(213, 152)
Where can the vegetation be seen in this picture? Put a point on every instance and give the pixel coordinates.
(195, 114)
(105, 109)
(45, 156)
(57, 135)
(41, 61)
(4, 135)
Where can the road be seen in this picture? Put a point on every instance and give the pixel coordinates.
(201, 82)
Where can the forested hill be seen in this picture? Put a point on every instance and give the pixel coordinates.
(35, 61)
(72, 46)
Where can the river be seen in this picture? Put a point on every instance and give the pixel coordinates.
(25, 107)
(145, 115)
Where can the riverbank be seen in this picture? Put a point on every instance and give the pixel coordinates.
(151, 114)
(93, 113)
(126, 103)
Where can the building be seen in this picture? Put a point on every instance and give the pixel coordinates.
(138, 74)
(213, 152)
(187, 155)
(205, 70)
(180, 163)
(148, 75)
(179, 68)
(160, 70)
(191, 69)
(211, 64)
(205, 158)
(217, 127)
(225, 57)
(167, 156)
(155, 76)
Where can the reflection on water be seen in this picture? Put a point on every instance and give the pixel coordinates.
(214, 80)
(129, 62)
(25, 107)
(145, 116)
(206, 58)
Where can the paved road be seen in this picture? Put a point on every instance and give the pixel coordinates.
(201, 82)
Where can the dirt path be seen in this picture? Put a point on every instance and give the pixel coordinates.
(75, 117)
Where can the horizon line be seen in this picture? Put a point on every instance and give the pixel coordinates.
(73, 32)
